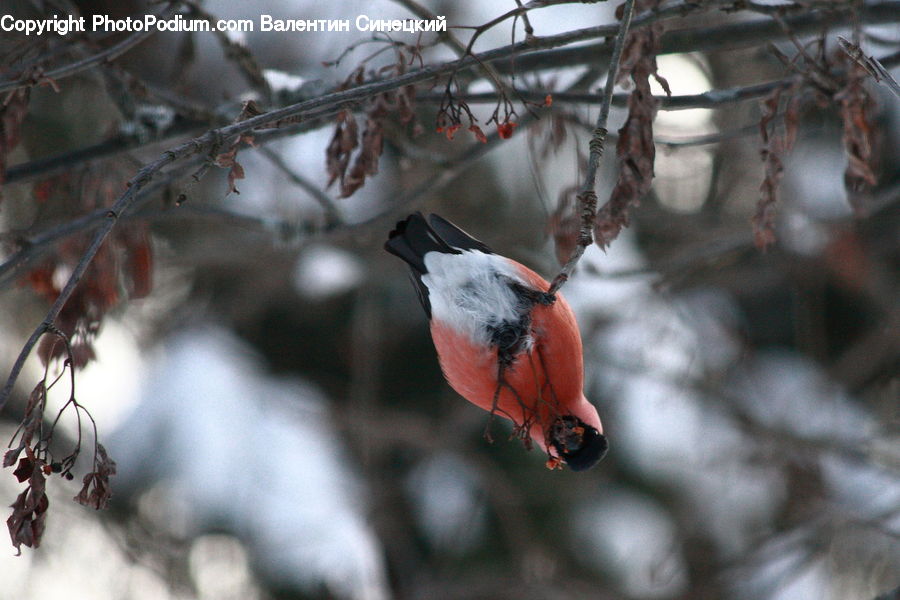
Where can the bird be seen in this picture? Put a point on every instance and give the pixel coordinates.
(504, 343)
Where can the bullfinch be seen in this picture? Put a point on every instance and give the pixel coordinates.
(503, 342)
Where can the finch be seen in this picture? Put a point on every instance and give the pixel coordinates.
(503, 342)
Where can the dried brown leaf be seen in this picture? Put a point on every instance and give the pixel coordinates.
(344, 140)
(109, 274)
(406, 98)
(366, 162)
(856, 107)
(791, 121)
(663, 83)
(228, 160)
(769, 106)
(564, 225)
(636, 154)
(234, 173)
(11, 456)
(635, 150)
(764, 217)
(641, 44)
(138, 268)
(34, 412)
(29, 514)
(25, 468)
(773, 148)
(95, 490)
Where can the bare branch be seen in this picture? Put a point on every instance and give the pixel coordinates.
(743, 34)
(587, 197)
(423, 13)
(109, 217)
(871, 64)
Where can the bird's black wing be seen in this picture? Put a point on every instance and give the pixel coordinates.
(456, 237)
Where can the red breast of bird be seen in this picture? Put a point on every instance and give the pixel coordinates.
(503, 343)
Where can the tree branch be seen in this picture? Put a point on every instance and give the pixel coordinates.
(710, 99)
(587, 197)
(720, 37)
(729, 36)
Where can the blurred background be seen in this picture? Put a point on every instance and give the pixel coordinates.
(261, 372)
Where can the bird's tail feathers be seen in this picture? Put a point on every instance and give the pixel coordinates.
(413, 238)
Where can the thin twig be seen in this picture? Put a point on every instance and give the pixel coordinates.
(673, 142)
(449, 170)
(871, 64)
(34, 245)
(491, 74)
(423, 13)
(742, 34)
(330, 103)
(710, 99)
(587, 197)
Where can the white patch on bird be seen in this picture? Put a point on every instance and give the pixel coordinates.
(471, 291)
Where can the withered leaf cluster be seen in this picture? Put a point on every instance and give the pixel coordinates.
(774, 146)
(343, 161)
(830, 82)
(95, 490)
(228, 159)
(29, 515)
(340, 149)
(565, 225)
(856, 106)
(121, 269)
(29, 511)
(635, 149)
